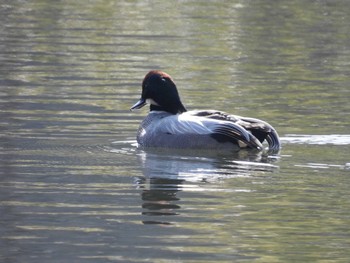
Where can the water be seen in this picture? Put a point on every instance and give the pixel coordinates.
(74, 188)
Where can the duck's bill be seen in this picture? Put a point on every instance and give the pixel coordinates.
(139, 104)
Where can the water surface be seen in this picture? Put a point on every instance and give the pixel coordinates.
(74, 187)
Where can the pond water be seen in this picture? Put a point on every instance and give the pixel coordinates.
(75, 188)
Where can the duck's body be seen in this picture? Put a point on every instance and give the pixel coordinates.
(170, 125)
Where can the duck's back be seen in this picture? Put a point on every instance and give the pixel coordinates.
(162, 129)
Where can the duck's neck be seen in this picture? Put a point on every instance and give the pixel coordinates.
(174, 110)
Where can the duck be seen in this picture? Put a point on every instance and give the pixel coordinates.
(170, 125)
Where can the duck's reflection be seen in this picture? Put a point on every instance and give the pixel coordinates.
(159, 199)
(164, 175)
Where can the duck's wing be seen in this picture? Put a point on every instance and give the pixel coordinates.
(219, 129)
(258, 128)
(226, 132)
(263, 131)
(216, 115)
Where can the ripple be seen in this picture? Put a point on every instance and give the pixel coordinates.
(321, 166)
(333, 139)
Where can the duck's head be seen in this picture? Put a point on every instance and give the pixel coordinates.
(159, 90)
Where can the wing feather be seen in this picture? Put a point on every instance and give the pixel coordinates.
(221, 130)
(257, 128)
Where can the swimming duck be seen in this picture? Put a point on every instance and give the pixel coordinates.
(170, 125)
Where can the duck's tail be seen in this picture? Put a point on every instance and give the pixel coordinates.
(273, 141)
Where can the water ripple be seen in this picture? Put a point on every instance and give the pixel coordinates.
(333, 139)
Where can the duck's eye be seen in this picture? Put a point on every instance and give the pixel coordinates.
(163, 79)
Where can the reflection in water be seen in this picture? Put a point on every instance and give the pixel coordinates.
(159, 198)
(70, 71)
(166, 173)
(203, 166)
